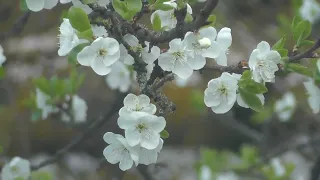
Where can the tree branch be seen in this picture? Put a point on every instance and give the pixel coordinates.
(96, 124)
(308, 54)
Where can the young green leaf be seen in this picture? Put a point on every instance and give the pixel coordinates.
(156, 23)
(88, 34)
(251, 100)
(79, 19)
(253, 87)
(296, 20)
(283, 52)
(164, 134)
(302, 31)
(2, 72)
(134, 5)
(300, 69)
(246, 75)
(280, 44)
(122, 8)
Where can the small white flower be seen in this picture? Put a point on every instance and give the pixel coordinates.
(310, 10)
(99, 31)
(133, 103)
(227, 176)
(100, 55)
(41, 101)
(2, 57)
(84, 7)
(136, 47)
(284, 107)
(314, 95)
(205, 173)
(221, 93)
(119, 77)
(263, 63)
(38, 5)
(125, 57)
(79, 110)
(65, 1)
(203, 44)
(178, 60)
(142, 129)
(68, 38)
(16, 168)
(119, 151)
(147, 156)
(278, 167)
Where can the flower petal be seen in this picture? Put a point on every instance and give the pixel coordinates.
(127, 121)
(157, 123)
(264, 48)
(126, 162)
(273, 56)
(224, 38)
(35, 5)
(166, 61)
(222, 59)
(213, 51)
(133, 136)
(253, 59)
(208, 32)
(197, 62)
(223, 107)
(149, 139)
(99, 67)
(182, 70)
(86, 56)
(49, 4)
(113, 153)
(150, 109)
(131, 40)
(131, 101)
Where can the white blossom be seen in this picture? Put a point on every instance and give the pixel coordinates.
(263, 63)
(147, 156)
(38, 5)
(119, 77)
(133, 103)
(227, 176)
(125, 57)
(68, 38)
(100, 55)
(310, 10)
(278, 167)
(284, 107)
(221, 93)
(136, 47)
(180, 61)
(65, 1)
(142, 129)
(16, 168)
(314, 95)
(84, 7)
(99, 31)
(205, 173)
(207, 43)
(119, 150)
(2, 57)
(41, 102)
(79, 110)
(168, 19)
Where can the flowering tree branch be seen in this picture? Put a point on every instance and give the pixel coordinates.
(307, 54)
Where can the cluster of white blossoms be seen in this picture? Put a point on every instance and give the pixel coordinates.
(17, 168)
(75, 105)
(222, 92)
(2, 57)
(310, 10)
(142, 142)
(313, 92)
(285, 106)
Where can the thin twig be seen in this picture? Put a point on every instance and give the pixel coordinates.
(307, 54)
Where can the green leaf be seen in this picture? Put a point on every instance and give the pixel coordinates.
(249, 155)
(87, 34)
(57, 86)
(127, 8)
(23, 6)
(188, 18)
(212, 19)
(300, 69)
(280, 44)
(246, 75)
(41, 175)
(43, 84)
(134, 5)
(283, 52)
(79, 19)
(307, 43)
(156, 23)
(72, 56)
(2, 72)
(296, 20)
(253, 87)
(36, 115)
(251, 100)
(302, 31)
(163, 7)
(164, 134)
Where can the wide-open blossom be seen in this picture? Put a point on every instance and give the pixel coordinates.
(263, 63)
(207, 43)
(84, 7)
(79, 110)
(41, 102)
(148, 57)
(310, 10)
(221, 93)
(100, 55)
(2, 57)
(133, 103)
(99, 31)
(314, 95)
(147, 156)
(68, 38)
(142, 129)
(180, 61)
(119, 150)
(284, 107)
(168, 19)
(125, 57)
(119, 77)
(17, 168)
(38, 5)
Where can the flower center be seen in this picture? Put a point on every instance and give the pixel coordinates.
(102, 52)
(223, 90)
(141, 127)
(179, 56)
